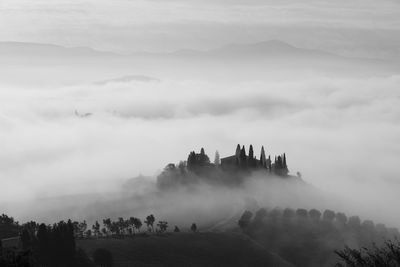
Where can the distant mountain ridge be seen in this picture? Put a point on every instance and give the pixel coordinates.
(253, 49)
(44, 65)
(41, 49)
(272, 48)
(128, 78)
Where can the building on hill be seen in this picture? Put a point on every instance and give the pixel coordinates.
(243, 161)
(227, 170)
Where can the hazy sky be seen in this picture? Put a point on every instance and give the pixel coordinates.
(350, 27)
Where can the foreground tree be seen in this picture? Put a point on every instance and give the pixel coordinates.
(386, 256)
(245, 220)
(150, 222)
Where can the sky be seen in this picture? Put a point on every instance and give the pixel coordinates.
(339, 127)
(357, 28)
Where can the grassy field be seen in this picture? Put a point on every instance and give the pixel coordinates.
(186, 250)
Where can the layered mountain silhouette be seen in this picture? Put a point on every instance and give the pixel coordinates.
(273, 48)
(45, 64)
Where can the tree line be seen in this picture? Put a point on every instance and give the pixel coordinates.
(54, 245)
(311, 237)
(43, 245)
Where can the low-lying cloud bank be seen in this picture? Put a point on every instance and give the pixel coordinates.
(342, 134)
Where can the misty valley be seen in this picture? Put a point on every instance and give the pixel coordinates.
(236, 224)
(201, 133)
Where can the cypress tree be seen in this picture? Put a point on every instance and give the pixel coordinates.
(269, 163)
(243, 158)
(284, 161)
(280, 165)
(191, 161)
(202, 156)
(262, 158)
(237, 154)
(217, 160)
(251, 152)
(204, 159)
(285, 168)
(252, 161)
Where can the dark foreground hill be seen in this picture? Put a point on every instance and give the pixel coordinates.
(186, 249)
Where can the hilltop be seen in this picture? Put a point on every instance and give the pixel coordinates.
(230, 170)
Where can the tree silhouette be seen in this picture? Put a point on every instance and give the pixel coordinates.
(107, 223)
(243, 158)
(263, 159)
(217, 160)
(284, 161)
(26, 239)
(251, 152)
(328, 215)
(137, 223)
(191, 161)
(237, 153)
(150, 222)
(88, 233)
(341, 218)
(261, 214)
(176, 229)
(244, 221)
(315, 214)
(43, 245)
(96, 229)
(203, 158)
(302, 213)
(269, 163)
(387, 255)
(193, 228)
(288, 213)
(162, 225)
(251, 161)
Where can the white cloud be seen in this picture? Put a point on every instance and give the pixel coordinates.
(333, 130)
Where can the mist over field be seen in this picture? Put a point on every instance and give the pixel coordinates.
(91, 133)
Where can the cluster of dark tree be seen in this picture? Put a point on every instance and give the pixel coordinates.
(309, 238)
(125, 227)
(55, 246)
(226, 171)
(45, 245)
(387, 255)
(8, 226)
(242, 161)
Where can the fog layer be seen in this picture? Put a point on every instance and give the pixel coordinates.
(339, 129)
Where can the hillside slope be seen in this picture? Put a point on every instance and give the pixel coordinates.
(186, 249)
